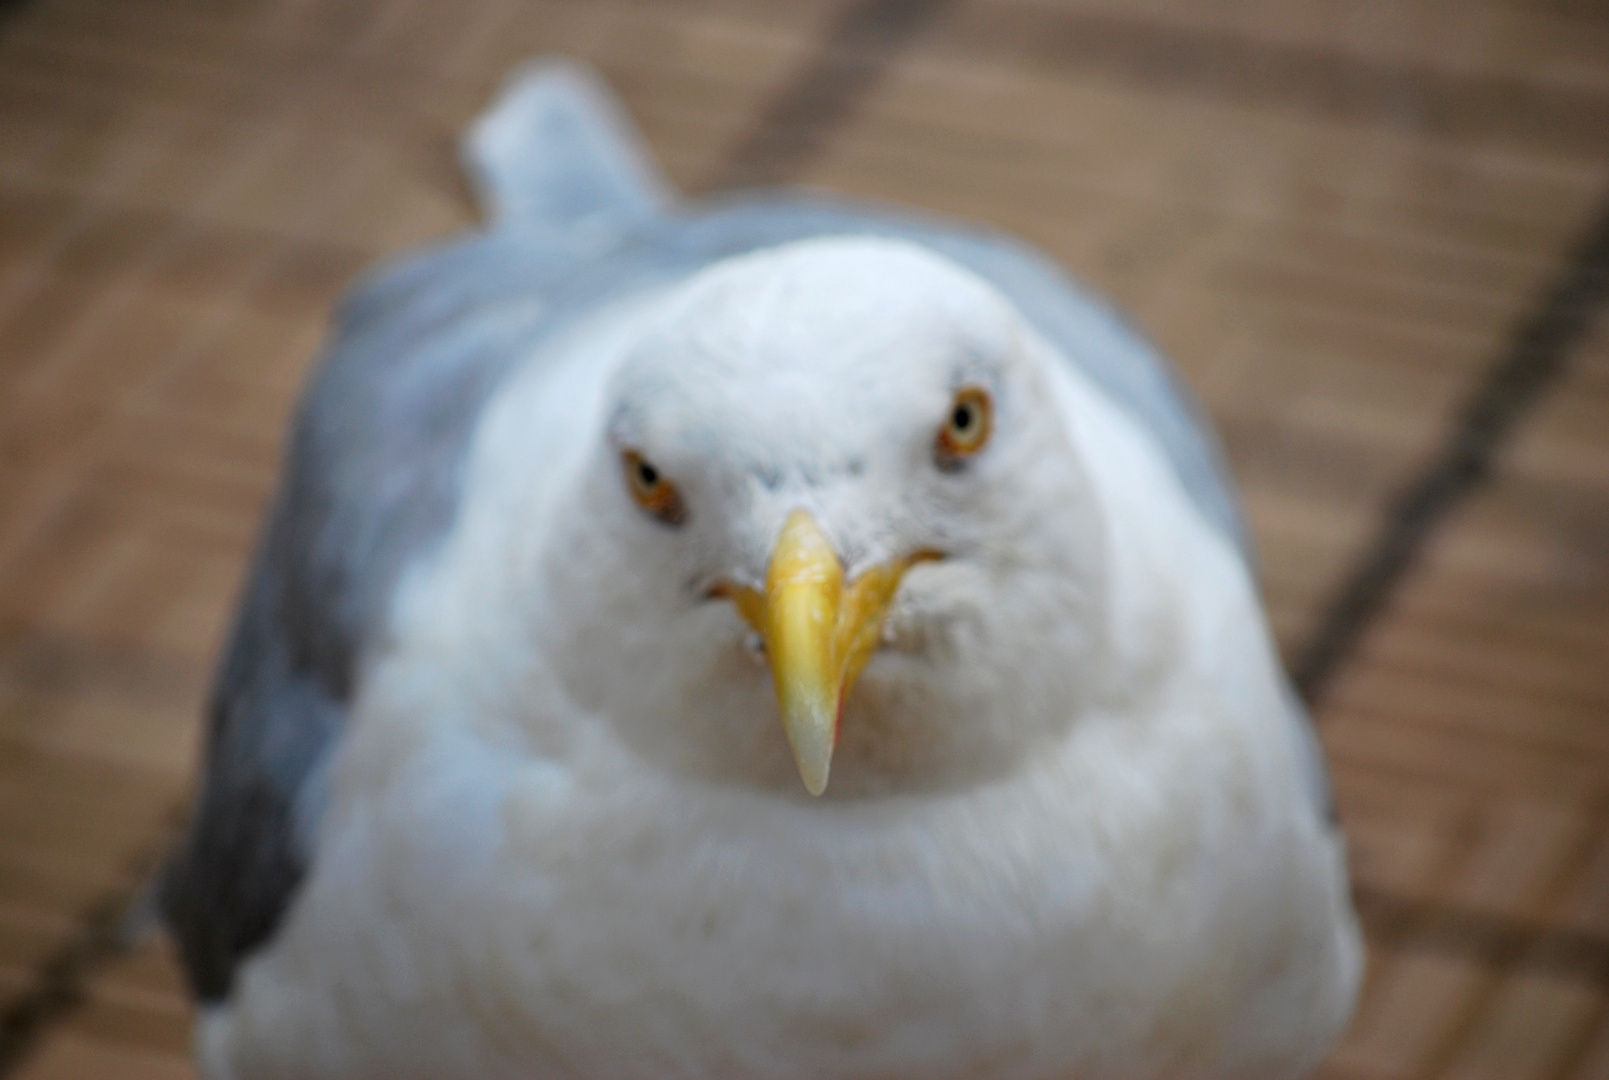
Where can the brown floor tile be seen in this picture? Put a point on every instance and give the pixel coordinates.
(1531, 1028)
(67, 1055)
(1411, 1004)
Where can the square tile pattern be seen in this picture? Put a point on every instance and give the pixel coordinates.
(1332, 217)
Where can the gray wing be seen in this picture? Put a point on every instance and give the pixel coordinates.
(370, 485)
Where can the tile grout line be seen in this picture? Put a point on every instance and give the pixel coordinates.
(800, 118)
(1486, 939)
(1576, 864)
(1498, 944)
(111, 926)
(1533, 359)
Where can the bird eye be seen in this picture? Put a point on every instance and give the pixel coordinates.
(651, 490)
(967, 427)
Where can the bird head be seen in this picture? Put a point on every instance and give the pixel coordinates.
(834, 526)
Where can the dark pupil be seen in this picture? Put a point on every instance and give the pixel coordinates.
(963, 417)
(647, 474)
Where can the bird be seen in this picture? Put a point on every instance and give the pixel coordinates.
(763, 637)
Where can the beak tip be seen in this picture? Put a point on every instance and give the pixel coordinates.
(812, 738)
(816, 784)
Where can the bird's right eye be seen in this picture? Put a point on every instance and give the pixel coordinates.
(651, 490)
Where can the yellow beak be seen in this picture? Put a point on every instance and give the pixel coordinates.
(818, 634)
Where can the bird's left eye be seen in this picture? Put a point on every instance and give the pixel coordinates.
(967, 427)
(651, 490)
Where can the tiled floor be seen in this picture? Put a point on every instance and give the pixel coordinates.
(1334, 217)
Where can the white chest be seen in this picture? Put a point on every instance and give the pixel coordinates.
(591, 921)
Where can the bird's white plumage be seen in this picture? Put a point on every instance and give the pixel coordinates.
(1070, 829)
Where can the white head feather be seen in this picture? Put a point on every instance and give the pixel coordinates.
(816, 376)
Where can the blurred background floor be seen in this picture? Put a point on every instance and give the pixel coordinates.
(1371, 234)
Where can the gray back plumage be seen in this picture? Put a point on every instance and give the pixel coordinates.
(371, 481)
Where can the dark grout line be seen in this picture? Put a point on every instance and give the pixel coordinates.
(113, 925)
(1532, 361)
(1492, 942)
(1122, 45)
(795, 125)
(1501, 946)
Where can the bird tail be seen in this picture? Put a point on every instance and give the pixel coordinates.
(557, 150)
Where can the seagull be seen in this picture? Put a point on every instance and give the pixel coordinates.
(759, 638)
